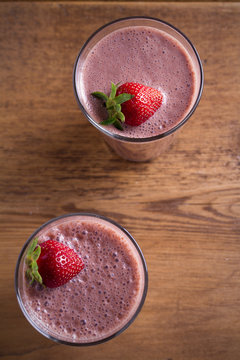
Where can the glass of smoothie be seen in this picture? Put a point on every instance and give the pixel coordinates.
(148, 51)
(103, 299)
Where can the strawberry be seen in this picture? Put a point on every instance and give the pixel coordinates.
(142, 106)
(52, 263)
(132, 103)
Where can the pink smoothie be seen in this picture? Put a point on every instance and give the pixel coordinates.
(139, 54)
(103, 297)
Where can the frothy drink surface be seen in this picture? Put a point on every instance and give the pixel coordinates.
(145, 55)
(102, 297)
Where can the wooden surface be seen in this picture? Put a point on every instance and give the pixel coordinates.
(183, 208)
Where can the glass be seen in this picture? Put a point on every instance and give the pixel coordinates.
(139, 149)
(136, 253)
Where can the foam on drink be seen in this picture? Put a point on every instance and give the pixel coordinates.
(103, 297)
(145, 55)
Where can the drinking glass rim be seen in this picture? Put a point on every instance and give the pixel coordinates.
(139, 251)
(132, 139)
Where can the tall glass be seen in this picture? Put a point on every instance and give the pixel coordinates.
(63, 314)
(135, 148)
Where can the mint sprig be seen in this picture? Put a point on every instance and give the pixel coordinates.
(113, 106)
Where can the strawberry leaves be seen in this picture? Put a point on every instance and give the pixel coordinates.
(100, 95)
(33, 254)
(113, 106)
(130, 103)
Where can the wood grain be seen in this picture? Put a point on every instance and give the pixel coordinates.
(183, 208)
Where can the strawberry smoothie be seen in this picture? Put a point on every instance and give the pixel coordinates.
(150, 52)
(99, 302)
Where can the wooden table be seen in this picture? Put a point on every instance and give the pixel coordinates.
(183, 208)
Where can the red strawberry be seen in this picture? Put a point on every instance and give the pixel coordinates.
(52, 263)
(132, 103)
(142, 106)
